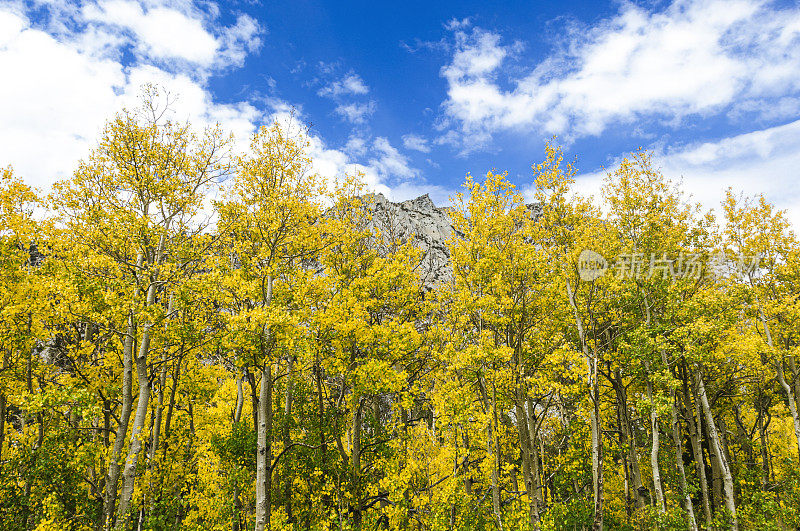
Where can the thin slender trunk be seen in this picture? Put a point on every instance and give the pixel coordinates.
(320, 404)
(538, 491)
(465, 465)
(355, 466)
(492, 447)
(527, 475)
(287, 467)
(795, 378)
(730, 459)
(629, 441)
(743, 437)
(697, 449)
(714, 440)
(155, 442)
(762, 435)
(162, 382)
(677, 440)
(597, 452)
(542, 456)
(779, 371)
(779, 368)
(3, 406)
(114, 464)
(597, 436)
(135, 446)
(237, 412)
(176, 374)
(237, 417)
(264, 457)
(251, 379)
(2, 428)
(626, 467)
(264, 429)
(157, 418)
(657, 485)
(496, 468)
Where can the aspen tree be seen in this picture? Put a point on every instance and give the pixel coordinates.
(654, 226)
(18, 234)
(569, 225)
(133, 203)
(268, 221)
(764, 250)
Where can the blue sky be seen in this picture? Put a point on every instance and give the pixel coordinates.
(417, 94)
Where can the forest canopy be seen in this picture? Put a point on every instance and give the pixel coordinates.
(199, 337)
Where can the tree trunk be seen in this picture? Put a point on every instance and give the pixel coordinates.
(264, 428)
(677, 440)
(237, 417)
(597, 452)
(237, 412)
(465, 466)
(657, 485)
(527, 475)
(355, 466)
(3, 406)
(697, 449)
(135, 446)
(538, 491)
(162, 382)
(129, 474)
(114, 464)
(2, 428)
(264, 457)
(597, 435)
(251, 379)
(727, 479)
(779, 368)
(795, 378)
(493, 448)
(762, 435)
(287, 467)
(176, 374)
(628, 440)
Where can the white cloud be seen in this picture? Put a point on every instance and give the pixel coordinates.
(67, 83)
(52, 112)
(343, 91)
(761, 162)
(239, 40)
(356, 113)
(697, 57)
(69, 78)
(159, 32)
(455, 24)
(416, 142)
(350, 84)
(389, 161)
(386, 171)
(356, 146)
(175, 31)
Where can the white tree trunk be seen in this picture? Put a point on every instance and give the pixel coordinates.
(727, 479)
(657, 485)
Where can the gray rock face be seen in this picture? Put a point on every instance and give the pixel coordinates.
(427, 226)
(422, 222)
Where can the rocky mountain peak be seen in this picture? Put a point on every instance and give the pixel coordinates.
(422, 222)
(426, 225)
